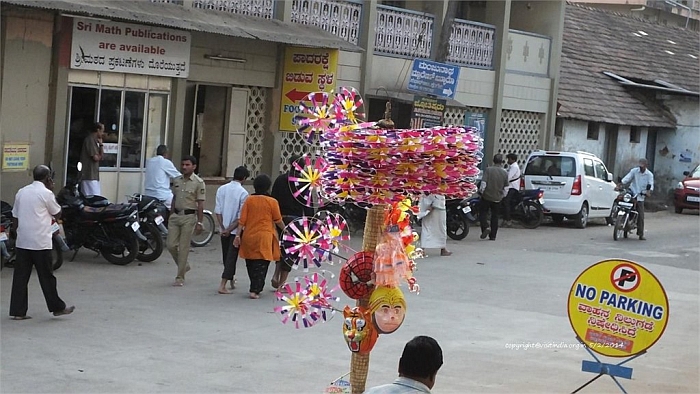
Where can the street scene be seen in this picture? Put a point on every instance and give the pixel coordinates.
(345, 197)
(133, 332)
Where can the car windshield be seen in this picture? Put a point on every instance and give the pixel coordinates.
(551, 165)
(696, 172)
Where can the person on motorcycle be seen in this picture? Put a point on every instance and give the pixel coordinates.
(641, 182)
(34, 209)
(159, 171)
(512, 190)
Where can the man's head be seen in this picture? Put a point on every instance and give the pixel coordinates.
(42, 174)
(498, 158)
(511, 158)
(98, 128)
(188, 165)
(262, 184)
(162, 150)
(643, 165)
(421, 360)
(240, 174)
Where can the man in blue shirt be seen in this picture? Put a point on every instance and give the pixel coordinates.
(159, 171)
(418, 366)
(641, 182)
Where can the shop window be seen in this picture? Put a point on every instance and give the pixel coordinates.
(132, 129)
(635, 134)
(593, 131)
(110, 111)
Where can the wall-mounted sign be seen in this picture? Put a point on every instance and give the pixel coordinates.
(438, 79)
(618, 308)
(15, 157)
(128, 48)
(306, 70)
(427, 112)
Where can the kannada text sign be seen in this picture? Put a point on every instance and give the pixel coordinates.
(618, 308)
(427, 112)
(437, 79)
(128, 48)
(15, 157)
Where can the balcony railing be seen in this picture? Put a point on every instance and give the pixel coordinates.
(341, 18)
(179, 2)
(259, 8)
(471, 44)
(402, 32)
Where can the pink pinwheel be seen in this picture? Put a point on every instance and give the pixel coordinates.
(320, 296)
(316, 115)
(301, 240)
(335, 232)
(295, 305)
(307, 180)
(347, 104)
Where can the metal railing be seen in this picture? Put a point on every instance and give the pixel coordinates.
(258, 8)
(340, 18)
(471, 44)
(402, 32)
(178, 2)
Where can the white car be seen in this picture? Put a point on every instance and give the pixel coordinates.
(576, 185)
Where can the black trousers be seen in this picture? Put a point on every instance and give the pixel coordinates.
(257, 272)
(42, 260)
(229, 255)
(507, 203)
(484, 208)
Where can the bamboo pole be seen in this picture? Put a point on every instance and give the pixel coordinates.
(359, 363)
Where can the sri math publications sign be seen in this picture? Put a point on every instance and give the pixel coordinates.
(129, 48)
(427, 112)
(306, 70)
(618, 308)
(437, 79)
(15, 157)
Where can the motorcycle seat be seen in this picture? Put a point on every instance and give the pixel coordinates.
(111, 211)
(96, 201)
(145, 200)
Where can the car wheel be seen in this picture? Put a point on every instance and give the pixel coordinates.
(679, 210)
(581, 219)
(557, 218)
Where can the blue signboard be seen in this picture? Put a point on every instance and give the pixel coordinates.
(437, 79)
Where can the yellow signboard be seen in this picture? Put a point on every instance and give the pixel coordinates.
(306, 70)
(618, 308)
(15, 157)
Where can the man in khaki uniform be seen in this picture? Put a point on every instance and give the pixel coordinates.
(186, 215)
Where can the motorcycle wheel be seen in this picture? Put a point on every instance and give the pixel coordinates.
(457, 226)
(613, 213)
(56, 256)
(619, 224)
(208, 227)
(129, 247)
(533, 215)
(152, 247)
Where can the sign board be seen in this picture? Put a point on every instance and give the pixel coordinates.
(478, 120)
(427, 112)
(15, 157)
(618, 308)
(128, 48)
(306, 70)
(437, 79)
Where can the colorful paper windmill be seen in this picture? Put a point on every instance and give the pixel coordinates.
(308, 303)
(347, 105)
(316, 115)
(302, 241)
(307, 180)
(321, 298)
(335, 231)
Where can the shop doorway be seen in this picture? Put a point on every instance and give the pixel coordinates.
(218, 128)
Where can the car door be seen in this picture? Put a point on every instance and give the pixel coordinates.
(591, 186)
(606, 190)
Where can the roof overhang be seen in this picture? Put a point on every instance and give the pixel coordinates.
(661, 85)
(194, 19)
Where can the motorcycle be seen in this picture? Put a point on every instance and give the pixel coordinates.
(457, 220)
(109, 229)
(152, 214)
(154, 211)
(528, 208)
(8, 240)
(625, 214)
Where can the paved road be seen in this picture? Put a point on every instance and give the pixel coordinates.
(134, 333)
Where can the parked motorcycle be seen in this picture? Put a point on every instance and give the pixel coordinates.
(152, 214)
(8, 240)
(457, 220)
(528, 208)
(111, 229)
(625, 214)
(155, 212)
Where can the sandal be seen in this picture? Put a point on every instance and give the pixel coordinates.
(21, 317)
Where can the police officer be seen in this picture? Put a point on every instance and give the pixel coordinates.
(186, 216)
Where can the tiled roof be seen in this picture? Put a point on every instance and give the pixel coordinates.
(596, 41)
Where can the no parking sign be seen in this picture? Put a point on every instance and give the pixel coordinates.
(618, 308)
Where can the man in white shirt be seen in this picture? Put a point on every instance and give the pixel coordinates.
(34, 209)
(159, 171)
(641, 182)
(418, 367)
(511, 191)
(229, 201)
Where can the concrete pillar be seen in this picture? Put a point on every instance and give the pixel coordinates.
(176, 127)
(557, 34)
(367, 36)
(439, 9)
(283, 10)
(498, 13)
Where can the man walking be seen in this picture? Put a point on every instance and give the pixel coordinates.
(34, 209)
(511, 191)
(641, 181)
(493, 184)
(229, 201)
(90, 156)
(418, 367)
(186, 215)
(159, 171)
